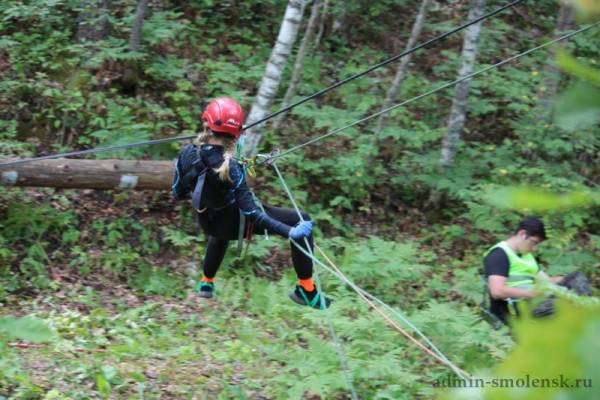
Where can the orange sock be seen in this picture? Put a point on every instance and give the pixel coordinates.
(307, 284)
(205, 279)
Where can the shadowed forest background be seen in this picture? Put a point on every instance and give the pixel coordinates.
(96, 287)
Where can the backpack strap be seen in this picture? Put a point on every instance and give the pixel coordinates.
(240, 244)
(199, 171)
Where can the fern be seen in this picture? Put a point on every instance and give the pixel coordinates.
(177, 237)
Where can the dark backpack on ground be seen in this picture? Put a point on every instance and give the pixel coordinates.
(575, 281)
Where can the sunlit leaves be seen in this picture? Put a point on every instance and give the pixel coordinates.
(26, 328)
(555, 348)
(579, 107)
(537, 200)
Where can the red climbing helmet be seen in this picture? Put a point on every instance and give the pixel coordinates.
(224, 115)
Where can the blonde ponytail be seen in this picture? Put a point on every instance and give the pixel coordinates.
(223, 170)
(228, 153)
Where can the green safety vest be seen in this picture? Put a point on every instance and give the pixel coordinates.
(522, 269)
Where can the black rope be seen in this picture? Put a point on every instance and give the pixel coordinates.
(285, 109)
(386, 62)
(270, 158)
(97, 150)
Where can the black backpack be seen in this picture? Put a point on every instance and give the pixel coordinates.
(190, 175)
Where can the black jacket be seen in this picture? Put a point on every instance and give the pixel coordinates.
(218, 195)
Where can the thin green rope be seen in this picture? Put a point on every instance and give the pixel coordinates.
(327, 311)
(239, 147)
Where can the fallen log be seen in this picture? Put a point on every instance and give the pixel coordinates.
(91, 174)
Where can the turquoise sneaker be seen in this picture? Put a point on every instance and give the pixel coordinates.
(312, 299)
(205, 289)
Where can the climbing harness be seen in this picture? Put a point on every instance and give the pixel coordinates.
(521, 273)
(246, 227)
(487, 315)
(189, 167)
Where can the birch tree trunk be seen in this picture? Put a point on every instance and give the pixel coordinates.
(402, 67)
(551, 74)
(458, 112)
(93, 24)
(275, 66)
(309, 33)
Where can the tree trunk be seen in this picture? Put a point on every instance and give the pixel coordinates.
(93, 23)
(131, 72)
(135, 37)
(339, 22)
(401, 71)
(91, 174)
(297, 74)
(321, 24)
(551, 74)
(458, 112)
(270, 81)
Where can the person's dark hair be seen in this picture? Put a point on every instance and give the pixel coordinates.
(533, 226)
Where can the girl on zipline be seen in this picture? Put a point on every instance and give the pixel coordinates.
(209, 173)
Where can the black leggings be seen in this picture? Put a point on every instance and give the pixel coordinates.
(223, 226)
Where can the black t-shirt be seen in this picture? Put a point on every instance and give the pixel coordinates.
(496, 263)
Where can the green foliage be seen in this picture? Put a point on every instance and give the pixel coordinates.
(385, 265)
(159, 281)
(271, 337)
(532, 200)
(167, 68)
(119, 126)
(24, 221)
(113, 50)
(444, 323)
(177, 237)
(579, 106)
(162, 26)
(9, 145)
(112, 285)
(33, 231)
(557, 353)
(120, 260)
(26, 328)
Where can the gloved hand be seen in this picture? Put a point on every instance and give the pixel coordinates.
(302, 229)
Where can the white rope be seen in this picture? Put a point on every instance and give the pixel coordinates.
(336, 340)
(398, 315)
